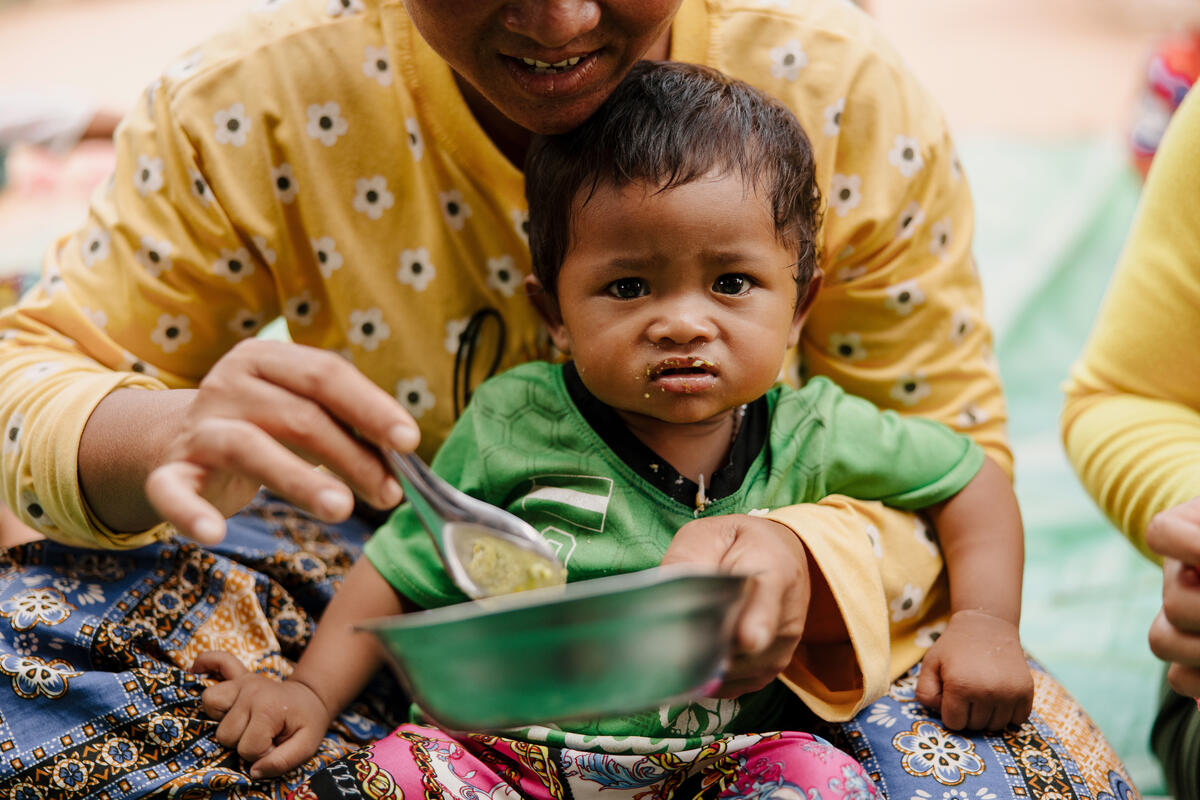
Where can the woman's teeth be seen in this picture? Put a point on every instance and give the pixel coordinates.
(545, 68)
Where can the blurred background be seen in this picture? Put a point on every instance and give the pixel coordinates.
(1043, 96)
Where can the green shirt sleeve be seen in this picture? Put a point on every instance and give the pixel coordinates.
(905, 462)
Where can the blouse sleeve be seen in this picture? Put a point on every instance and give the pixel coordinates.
(148, 293)
(1131, 422)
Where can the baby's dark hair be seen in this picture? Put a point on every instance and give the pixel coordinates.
(668, 124)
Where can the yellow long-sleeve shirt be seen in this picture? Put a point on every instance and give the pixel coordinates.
(1131, 422)
(317, 161)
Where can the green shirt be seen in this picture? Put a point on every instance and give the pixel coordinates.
(523, 445)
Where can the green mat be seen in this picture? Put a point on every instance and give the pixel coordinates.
(1051, 220)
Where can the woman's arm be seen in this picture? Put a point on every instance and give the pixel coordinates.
(1131, 422)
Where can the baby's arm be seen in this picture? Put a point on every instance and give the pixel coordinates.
(278, 726)
(976, 673)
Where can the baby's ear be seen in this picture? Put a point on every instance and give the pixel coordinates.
(805, 305)
(546, 306)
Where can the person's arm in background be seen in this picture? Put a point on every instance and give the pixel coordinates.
(1131, 420)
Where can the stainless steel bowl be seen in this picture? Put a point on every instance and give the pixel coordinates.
(595, 648)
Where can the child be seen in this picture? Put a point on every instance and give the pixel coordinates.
(673, 247)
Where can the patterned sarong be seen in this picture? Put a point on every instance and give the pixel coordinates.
(96, 701)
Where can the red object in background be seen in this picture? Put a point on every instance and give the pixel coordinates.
(1172, 70)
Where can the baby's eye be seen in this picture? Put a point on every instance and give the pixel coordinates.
(628, 288)
(733, 283)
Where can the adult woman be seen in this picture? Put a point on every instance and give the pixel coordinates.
(1130, 422)
(252, 182)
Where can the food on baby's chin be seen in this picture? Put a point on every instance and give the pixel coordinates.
(499, 567)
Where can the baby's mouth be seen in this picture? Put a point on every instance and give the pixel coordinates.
(683, 375)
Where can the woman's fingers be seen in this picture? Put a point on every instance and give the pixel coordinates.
(225, 450)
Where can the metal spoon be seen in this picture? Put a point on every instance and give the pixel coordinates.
(486, 550)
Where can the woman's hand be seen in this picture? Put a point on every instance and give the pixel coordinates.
(772, 619)
(1175, 633)
(263, 416)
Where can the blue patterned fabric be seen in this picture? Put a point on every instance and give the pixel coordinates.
(96, 702)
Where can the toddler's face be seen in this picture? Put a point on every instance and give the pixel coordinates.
(677, 305)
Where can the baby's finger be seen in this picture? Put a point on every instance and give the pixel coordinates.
(258, 739)
(1023, 711)
(217, 700)
(287, 755)
(229, 731)
(929, 682)
(979, 714)
(999, 717)
(217, 662)
(955, 710)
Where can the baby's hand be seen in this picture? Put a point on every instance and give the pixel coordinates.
(976, 675)
(274, 726)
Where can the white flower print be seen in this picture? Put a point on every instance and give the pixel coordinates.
(186, 65)
(148, 177)
(454, 330)
(503, 275)
(376, 65)
(268, 5)
(328, 258)
(454, 208)
(910, 389)
(302, 308)
(94, 246)
(910, 219)
(264, 249)
(520, 221)
(940, 234)
(904, 297)
(232, 125)
(42, 369)
(881, 715)
(873, 537)
(787, 60)
(52, 282)
(12, 432)
(989, 359)
(833, 117)
(154, 255)
(416, 270)
(956, 169)
(283, 181)
(246, 323)
(171, 331)
(416, 142)
(908, 603)
(905, 156)
(233, 265)
(325, 123)
(845, 193)
(850, 272)
(83, 594)
(415, 396)
(200, 188)
(151, 92)
(962, 322)
(928, 634)
(371, 196)
(132, 363)
(336, 8)
(847, 346)
(367, 329)
(34, 514)
(972, 415)
(924, 534)
(97, 316)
